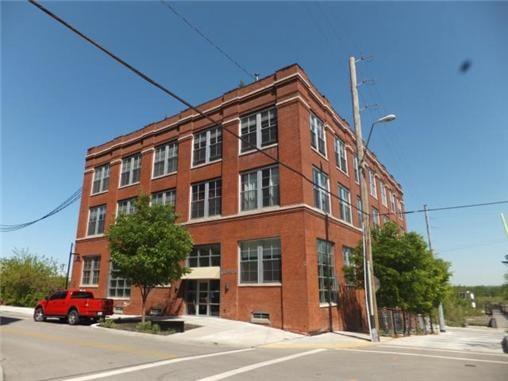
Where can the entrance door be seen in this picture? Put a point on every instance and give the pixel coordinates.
(202, 297)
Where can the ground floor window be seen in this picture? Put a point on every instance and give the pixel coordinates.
(328, 289)
(260, 261)
(91, 270)
(202, 297)
(118, 287)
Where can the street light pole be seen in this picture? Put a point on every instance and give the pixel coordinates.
(367, 247)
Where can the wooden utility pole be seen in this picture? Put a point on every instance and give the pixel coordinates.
(442, 323)
(370, 292)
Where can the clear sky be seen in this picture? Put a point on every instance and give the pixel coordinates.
(447, 147)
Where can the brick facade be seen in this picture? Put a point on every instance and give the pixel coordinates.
(293, 303)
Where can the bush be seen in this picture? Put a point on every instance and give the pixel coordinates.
(27, 278)
(148, 327)
(108, 323)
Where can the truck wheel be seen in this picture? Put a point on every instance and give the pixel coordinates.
(39, 314)
(73, 317)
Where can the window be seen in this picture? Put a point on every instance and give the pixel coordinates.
(357, 169)
(206, 199)
(58, 295)
(81, 295)
(347, 256)
(258, 130)
(341, 155)
(359, 210)
(204, 256)
(164, 198)
(260, 261)
(131, 168)
(321, 190)
(118, 287)
(375, 216)
(372, 183)
(100, 179)
(207, 146)
(166, 159)
(96, 220)
(91, 270)
(326, 272)
(401, 210)
(260, 188)
(384, 199)
(345, 204)
(126, 206)
(392, 203)
(317, 134)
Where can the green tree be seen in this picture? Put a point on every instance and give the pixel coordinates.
(148, 248)
(26, 278)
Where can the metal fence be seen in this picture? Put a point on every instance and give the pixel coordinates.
(396, 322)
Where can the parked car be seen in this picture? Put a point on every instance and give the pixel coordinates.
(73, 306)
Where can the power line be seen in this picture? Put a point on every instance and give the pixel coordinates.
(69, 201)
(202, 35)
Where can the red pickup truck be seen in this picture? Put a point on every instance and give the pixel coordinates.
(73, 305)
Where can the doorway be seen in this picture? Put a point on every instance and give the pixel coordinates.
(202, 297)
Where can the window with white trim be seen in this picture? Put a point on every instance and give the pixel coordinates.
(259, 188)
(260, 261)
(166, 159)
(118, 287)
(401, 210)
(258, 130)
(91, 270)
(317, 134)
(206, 199)
(392, 202)
(204, 256)
(207, 146)
(96, 220)
(345, 204)
(347, 257)
(167, 197)
(341, 155)
(127, 206)
(372, 184)
(131, 170)
(321, 190)
(101, 179)
(375, 217)
(356, 168)
(384, 198)
(328, 287)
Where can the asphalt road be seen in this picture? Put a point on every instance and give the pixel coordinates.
(56, 351)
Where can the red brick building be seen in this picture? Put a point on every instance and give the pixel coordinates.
(259, 229)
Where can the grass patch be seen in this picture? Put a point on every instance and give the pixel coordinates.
(135, 325)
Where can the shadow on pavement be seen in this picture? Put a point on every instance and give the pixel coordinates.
(4, 320)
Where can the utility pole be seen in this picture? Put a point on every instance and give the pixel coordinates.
(442, 324)
(370, 293)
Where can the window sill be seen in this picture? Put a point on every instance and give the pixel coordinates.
(324, 305)
(88, 286)
(205, 164)
(319, 153)
(343, 172)
(165, 175)
(118, 298)
(94, 236)
(99, 193)
(205, 219)
(259, 284)
(254, 150)
(259, 210)
(128, 185)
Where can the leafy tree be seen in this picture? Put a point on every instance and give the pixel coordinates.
(148, 248)
(27, 278)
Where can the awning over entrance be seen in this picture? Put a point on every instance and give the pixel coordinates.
(212, 272)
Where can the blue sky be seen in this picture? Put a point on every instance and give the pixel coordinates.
(448, 146)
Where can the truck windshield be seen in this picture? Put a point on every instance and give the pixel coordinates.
(82, 295)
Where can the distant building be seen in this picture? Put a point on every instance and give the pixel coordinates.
(260, 252)
(468, 296)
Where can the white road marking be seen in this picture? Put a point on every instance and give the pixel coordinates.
(465, 351)
(423, 355)
(248, 368)
(136, 368)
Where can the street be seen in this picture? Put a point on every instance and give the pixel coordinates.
(52, 350)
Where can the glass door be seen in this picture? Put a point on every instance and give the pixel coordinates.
(202, 297)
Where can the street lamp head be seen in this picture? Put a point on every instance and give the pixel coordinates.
(387, 118)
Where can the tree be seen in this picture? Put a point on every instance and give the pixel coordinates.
(27, 278)
(148, 248)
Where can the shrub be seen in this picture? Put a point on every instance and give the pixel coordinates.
(148, 327)
(108, 323)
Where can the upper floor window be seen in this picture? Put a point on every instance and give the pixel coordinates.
(258, 130)
(260, 261)
(96, 220)
(260, 188)
(384, 199)
(340, 154)
(345, 204)
(317, 134)
(126, 206)
(359, 210)
(206, 199)
(357, 169)
(207, 146)
(101, 179)
(91, 270)
(131, 169)
(327, 281)
(375, 216)
(204, 256)
(372, 184)
(321, 190)
(392, 202)
(164, 198)
(166, 159)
